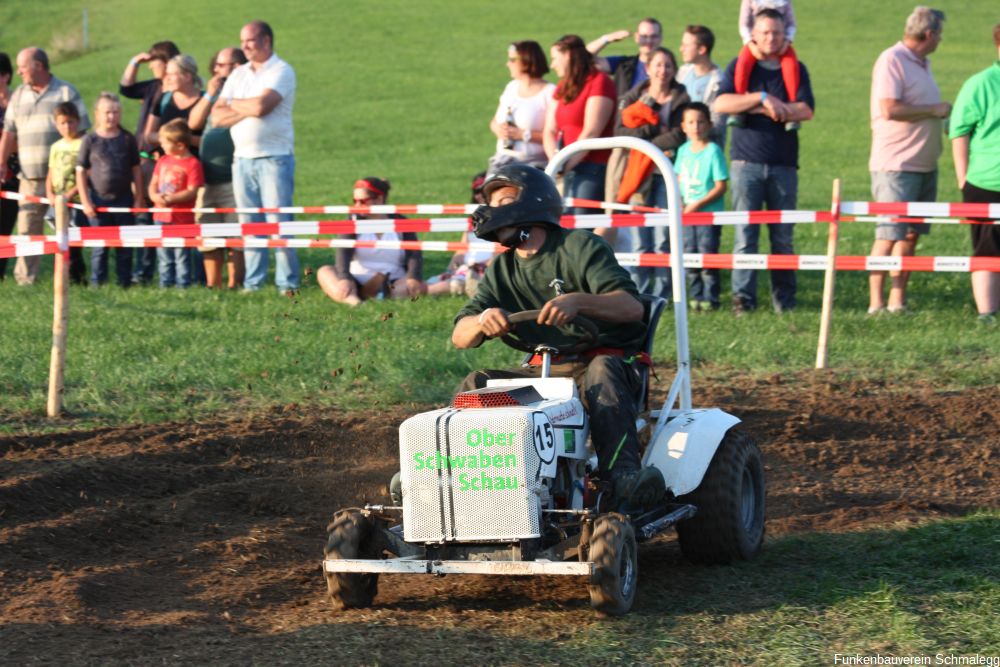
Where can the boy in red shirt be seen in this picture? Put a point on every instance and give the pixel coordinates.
(176, 179)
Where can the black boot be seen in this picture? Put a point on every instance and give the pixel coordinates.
(634, 491)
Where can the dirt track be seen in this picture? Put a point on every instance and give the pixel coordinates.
(201, 543)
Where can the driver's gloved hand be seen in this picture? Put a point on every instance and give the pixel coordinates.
(634, 491)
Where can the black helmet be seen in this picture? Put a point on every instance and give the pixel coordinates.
(538, 201)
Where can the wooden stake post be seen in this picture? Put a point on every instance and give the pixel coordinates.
(829, 279)
(60, 312)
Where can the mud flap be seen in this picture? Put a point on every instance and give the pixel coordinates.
(684, 448)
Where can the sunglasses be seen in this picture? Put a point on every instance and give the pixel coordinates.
(363, 201)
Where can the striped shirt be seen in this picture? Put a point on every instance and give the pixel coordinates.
(29, 117)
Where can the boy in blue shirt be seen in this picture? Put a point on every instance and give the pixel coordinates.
(702, 174)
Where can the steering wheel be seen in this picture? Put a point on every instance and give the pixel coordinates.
(586, 338)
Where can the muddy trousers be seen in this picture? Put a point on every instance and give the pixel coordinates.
(607, 386)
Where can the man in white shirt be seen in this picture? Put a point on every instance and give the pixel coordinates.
(256, 104)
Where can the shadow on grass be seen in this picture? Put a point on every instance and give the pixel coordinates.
(816, 571)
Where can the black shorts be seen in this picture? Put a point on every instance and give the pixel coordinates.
(985, 238)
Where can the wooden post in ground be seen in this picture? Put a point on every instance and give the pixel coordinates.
(829, 279)
(60, 311)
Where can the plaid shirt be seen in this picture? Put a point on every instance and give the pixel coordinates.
(29, 118)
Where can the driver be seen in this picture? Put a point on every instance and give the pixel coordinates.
(564, 273)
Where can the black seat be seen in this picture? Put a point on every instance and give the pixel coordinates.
(653, 307)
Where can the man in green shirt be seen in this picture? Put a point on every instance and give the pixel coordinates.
(563, 273)
(975, 142)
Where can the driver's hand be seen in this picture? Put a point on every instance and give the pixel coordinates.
(560, 311)
(493, 322)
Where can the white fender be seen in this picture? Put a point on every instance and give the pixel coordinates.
(686, 445)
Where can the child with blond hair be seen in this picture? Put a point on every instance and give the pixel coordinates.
(108, 174)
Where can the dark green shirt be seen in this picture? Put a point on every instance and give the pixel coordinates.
(217, 155)
(583, 261)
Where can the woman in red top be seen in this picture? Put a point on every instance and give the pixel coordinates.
(583, 107)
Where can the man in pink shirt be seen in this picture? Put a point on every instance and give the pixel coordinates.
(906, 111)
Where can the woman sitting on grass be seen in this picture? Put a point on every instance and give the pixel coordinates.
(366, 273)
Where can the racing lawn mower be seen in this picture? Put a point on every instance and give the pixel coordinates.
(503, 481)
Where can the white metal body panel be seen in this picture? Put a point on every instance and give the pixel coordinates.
(684, 447)
(473, 474)
(557, 387)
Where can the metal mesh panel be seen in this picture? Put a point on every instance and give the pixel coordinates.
(495, 399)
(469, 475)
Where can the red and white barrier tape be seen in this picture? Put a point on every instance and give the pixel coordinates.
(322, 227)
(403, 209)
(691, 261)
(921, 209)
(908, 209)
(818, 262)
(902, 212)
(911, 221)
(28, 249)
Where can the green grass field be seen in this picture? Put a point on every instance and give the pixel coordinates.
(406, 92)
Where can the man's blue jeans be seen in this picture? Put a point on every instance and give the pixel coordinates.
(753, 186)
(585, 181)
(654, 280)
(266, 182)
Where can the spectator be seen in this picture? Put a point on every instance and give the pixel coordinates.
(765, 158)
(652, 111)
(628, 71)
(583, 107)
(906, 113)
(524, 100)
(465, 270)
(149, 92)
(751, 52)
(702, 176)
(8, 207)
(700, 76)
(216, 152)
(366, 273)
(29, 128)
(256, 104)
(181, 92)
(108, 174)
(175, 183)
(975, 135)
(61, 179)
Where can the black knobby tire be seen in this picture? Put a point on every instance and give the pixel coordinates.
(351, 535)
(615, 555)
(729, 523)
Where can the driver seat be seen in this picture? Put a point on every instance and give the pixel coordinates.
(653, 307)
